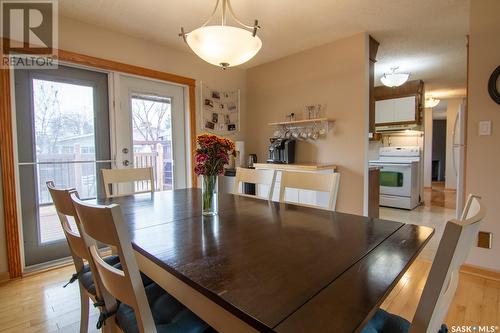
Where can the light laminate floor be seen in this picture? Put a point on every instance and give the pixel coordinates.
(38, 303)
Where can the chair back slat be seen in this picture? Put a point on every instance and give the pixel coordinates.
(454, 247)
(105, 224)
(98, 223)
(76, 243)
(64, 208)
(113, 279)
(319, 182)
(112, 177)
(254, 176)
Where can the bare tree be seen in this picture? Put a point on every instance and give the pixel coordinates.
(151, 119)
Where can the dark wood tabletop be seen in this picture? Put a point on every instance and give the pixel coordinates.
(278, 267)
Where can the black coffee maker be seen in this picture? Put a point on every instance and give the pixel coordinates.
(281, 151)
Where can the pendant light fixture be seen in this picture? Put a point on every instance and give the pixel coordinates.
(394, 79)
(224, 45)
(431, 102)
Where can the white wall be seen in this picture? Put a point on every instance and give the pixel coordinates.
(454, 106)
(428, 148)
(483, 152)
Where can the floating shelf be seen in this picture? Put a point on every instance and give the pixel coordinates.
(301, 122)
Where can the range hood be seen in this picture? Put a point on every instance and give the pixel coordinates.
(397, 128)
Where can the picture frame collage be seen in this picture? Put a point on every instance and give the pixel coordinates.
(220, 110)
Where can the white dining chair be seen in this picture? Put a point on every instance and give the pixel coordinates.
(112, 178)
(148, 309)
(88, 283)
(319, 182)
(264, 177)
(440, 287)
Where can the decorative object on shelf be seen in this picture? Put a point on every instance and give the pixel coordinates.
(394, 79)
(431, 102)
(307, 129)
(224, 45)
(313, 111)
(210, 157)
(494, 85)
(220, 110)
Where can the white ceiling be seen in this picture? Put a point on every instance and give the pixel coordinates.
(424, 37)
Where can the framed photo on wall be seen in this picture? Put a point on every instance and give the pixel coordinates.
(220, 110)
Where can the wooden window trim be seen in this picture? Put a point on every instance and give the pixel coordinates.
(10, 212)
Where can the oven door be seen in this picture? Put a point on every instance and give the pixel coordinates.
(395, 179)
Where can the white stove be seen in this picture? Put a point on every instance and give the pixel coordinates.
(399, 176)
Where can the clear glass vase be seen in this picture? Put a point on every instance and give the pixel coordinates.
(210, 199)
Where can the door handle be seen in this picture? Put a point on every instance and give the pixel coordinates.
(126, 162)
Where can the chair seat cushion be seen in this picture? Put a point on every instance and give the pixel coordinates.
(385, 322)
(86, 278)
(169, 314)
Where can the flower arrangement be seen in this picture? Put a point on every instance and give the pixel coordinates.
(212, 153)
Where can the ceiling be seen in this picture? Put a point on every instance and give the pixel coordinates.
(424, 37)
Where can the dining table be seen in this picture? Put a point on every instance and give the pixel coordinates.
(264, 266)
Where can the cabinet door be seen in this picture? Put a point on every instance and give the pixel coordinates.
(384, 111)
(404, 109)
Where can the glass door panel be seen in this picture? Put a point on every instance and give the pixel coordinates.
(63, 136)
(63, 115)
(152, 138)
(150, 127)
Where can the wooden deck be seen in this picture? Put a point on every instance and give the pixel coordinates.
(50, 227)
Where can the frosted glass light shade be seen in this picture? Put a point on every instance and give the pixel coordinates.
(431, 102)
(224, 46)
(394, 79)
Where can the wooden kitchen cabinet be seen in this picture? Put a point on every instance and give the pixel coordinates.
(396, 110)
(373, 192)
(401, 105)
(373, 48)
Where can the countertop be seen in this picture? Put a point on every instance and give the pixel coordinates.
(296, 166)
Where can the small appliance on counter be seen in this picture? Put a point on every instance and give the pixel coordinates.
(281, 151)
(252, 159)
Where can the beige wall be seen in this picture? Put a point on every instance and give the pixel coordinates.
(333, 75)
(483, 152)
(453, 107)
(95, 41)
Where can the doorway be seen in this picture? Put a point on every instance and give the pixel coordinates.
(439, 151)
(62, 118)
(150, 130)
(439, 195)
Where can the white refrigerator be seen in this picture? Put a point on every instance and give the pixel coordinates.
(459, 156)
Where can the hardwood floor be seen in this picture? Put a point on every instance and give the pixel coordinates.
(439, 196)
(39, 303)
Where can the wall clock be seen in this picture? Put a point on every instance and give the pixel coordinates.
(494, 85)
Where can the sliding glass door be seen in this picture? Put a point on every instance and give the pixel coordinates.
(63, 135)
